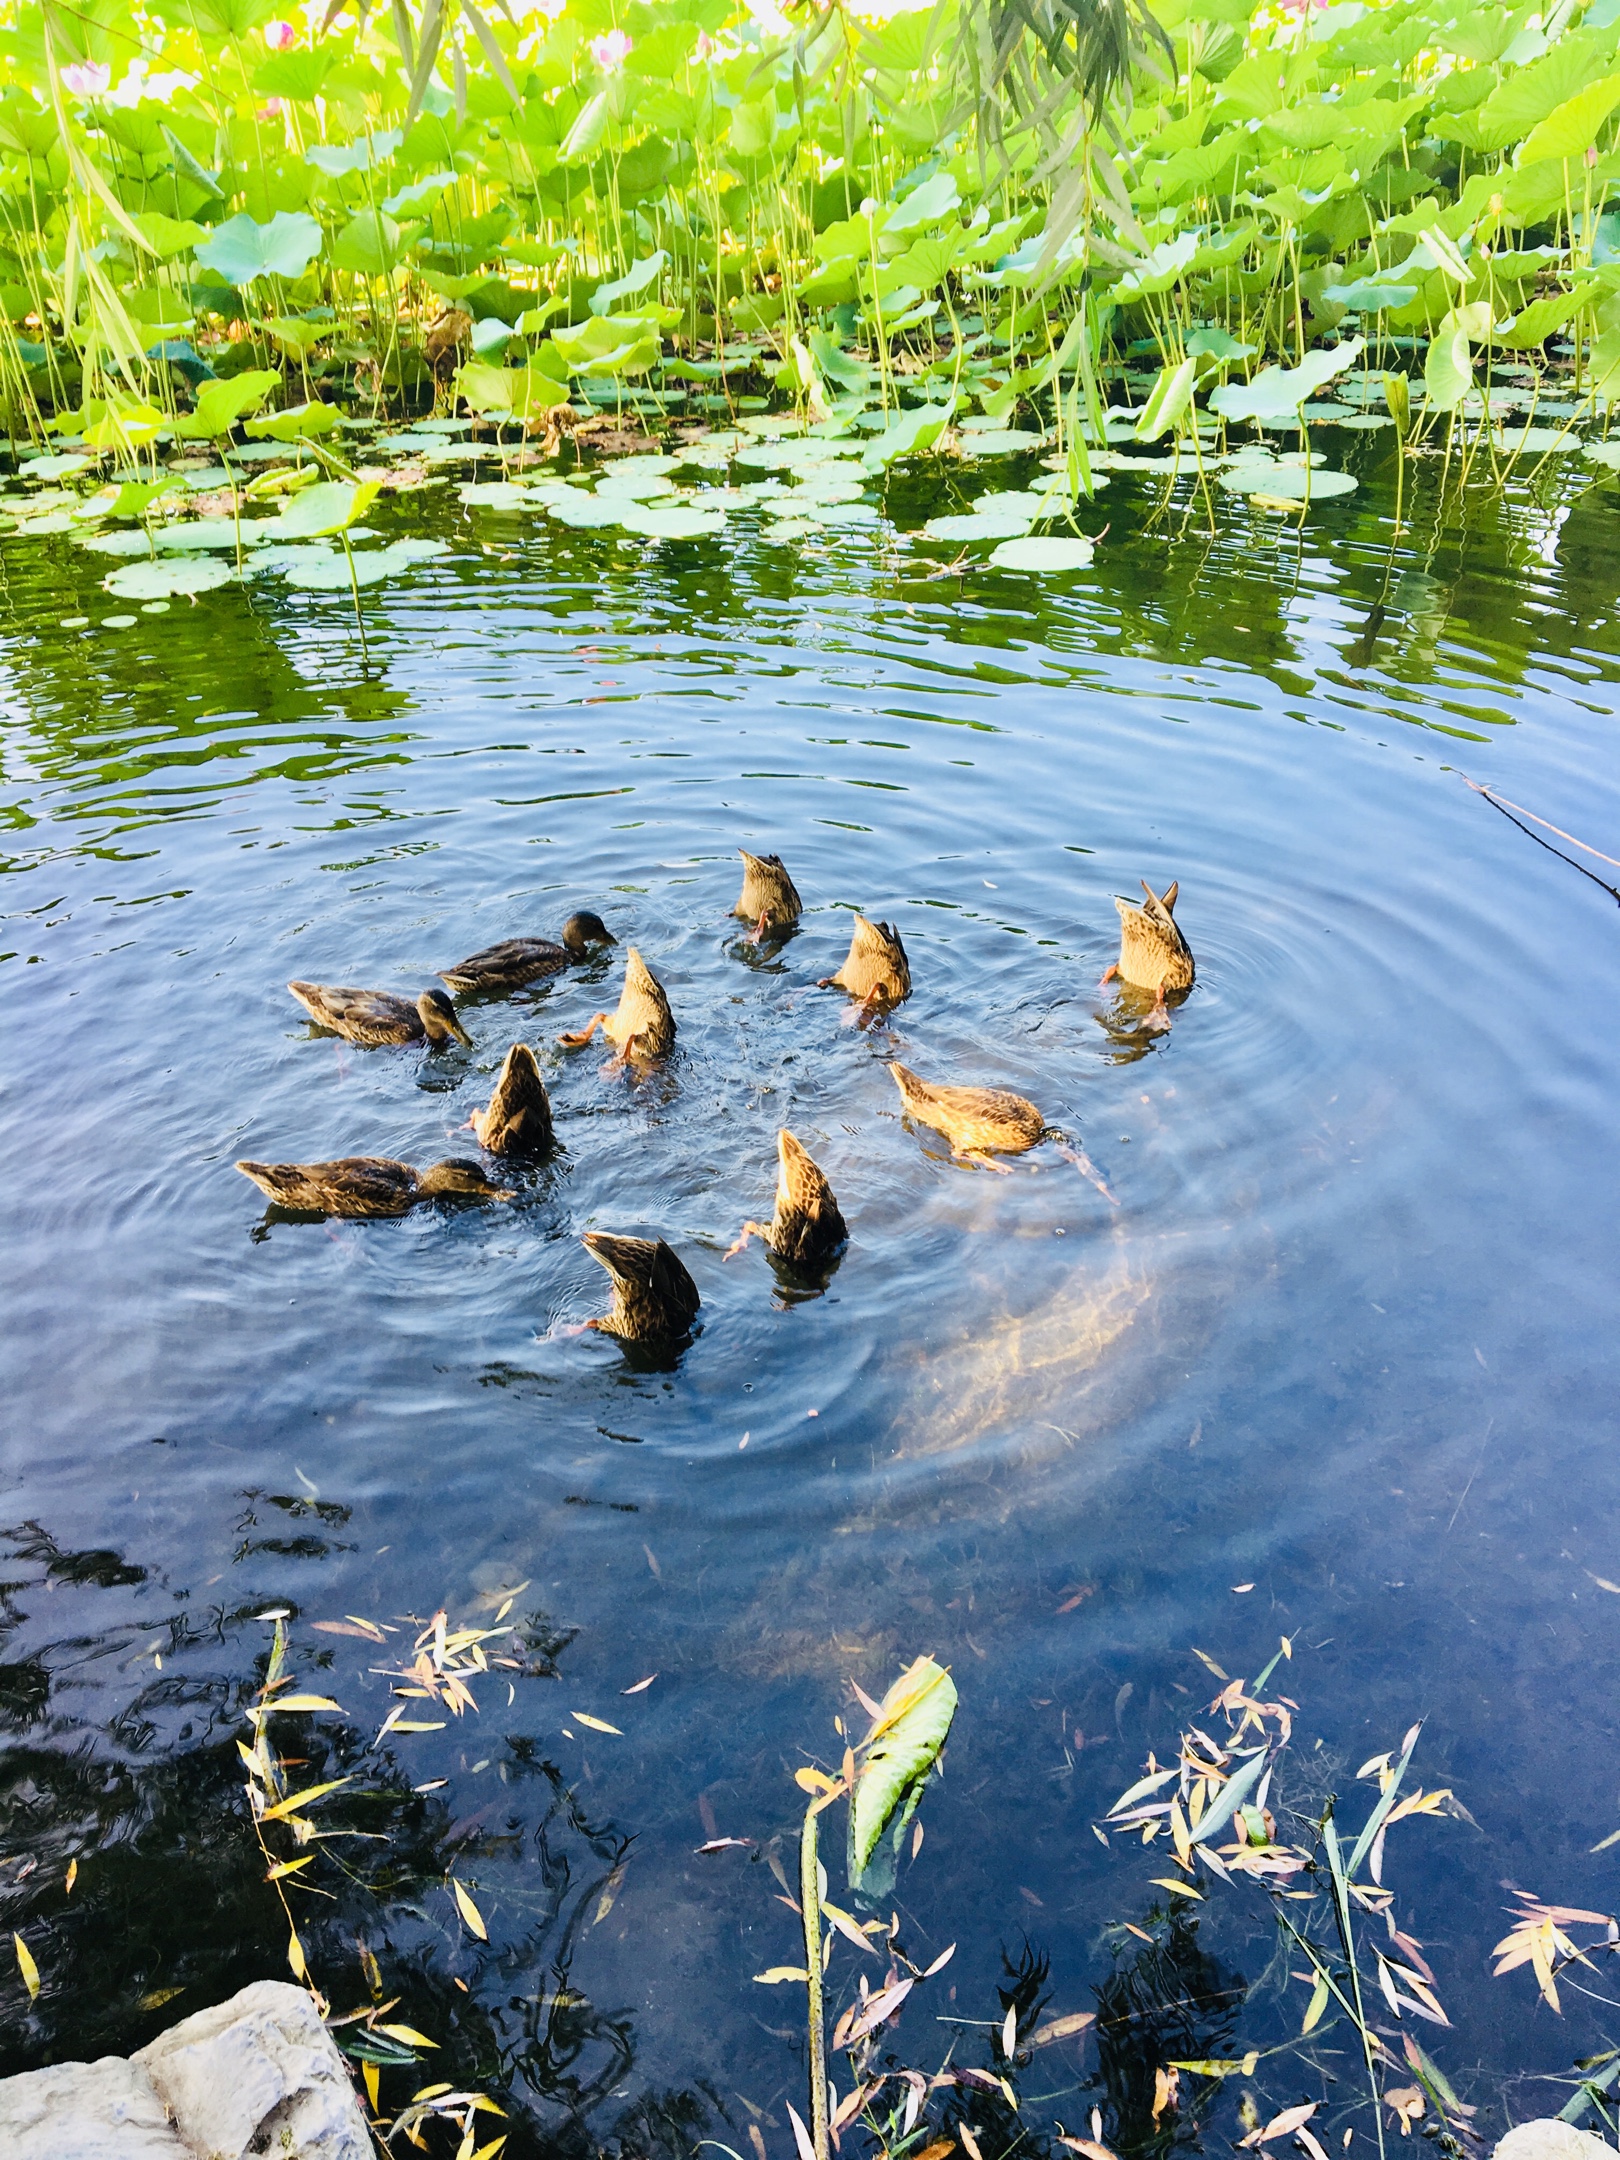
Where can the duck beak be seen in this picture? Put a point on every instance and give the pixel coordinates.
(460, 1033)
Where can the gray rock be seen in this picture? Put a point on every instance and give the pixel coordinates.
(1548, 2139)
(257, 2078)
(104, 2110)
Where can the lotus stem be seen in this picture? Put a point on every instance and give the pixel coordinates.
(810, 1900)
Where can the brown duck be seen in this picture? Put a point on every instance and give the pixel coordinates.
(516, 961)
(518, 1118)
(643, 1026)
(769, 899)
(1153, 954)
(977, 1121)
(877, 971)
(374, 1017)
(654, 1298)
(368, 1184)
(807, 1228)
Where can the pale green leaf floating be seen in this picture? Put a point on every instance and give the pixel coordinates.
(997, 442)
(980, 525)
(910, 432)
(1277, 391)
(842, 514)
(1602, 453)
(53, 468)
(1538, 442)
(672, 521)
(914, 1718)
(327, 570)
(496, 495)
(1049, 556)
(242, 249)
(195, 535)
(584, 511)
(1287, 482)
(125, 542)
(158, 580)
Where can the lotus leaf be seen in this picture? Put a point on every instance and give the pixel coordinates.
(242, 249)
(979, 525)
(312, 420)
(157, 580)
(1044, 554)
(330, 506)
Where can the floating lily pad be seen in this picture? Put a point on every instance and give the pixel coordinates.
(999, 442)
(75, 622)
(1537, 442)
(1043, 554)
(843, 514)
(290, 555)
(495, 495)
(53, 468)
(584, 512)
(54, 521)
(1366, 420)
(327, 570)
(156, 607)
(123, 542)
(1603, 453)
(641, 463)
(196, 534)
(979, 525)
(780, 531)
(1288, 483)
(157, 580)
(417, 547)
(119, 622)
(671, 521)
(408, 442)
(829, 487)
(638, 487)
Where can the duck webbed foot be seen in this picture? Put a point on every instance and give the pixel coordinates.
(756, 936)
(749, 1230)
(980, 1161)
(582, 1036)
(1109, 974)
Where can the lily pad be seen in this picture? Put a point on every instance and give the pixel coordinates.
(119, 622)
(780, 531)
(54, 521)
(1602, 453)
(980, 525)
(999, 442)
(124, 542)
(671, 521)
(53, 468)
(1366, 420)
(583, 512)
(495, 495)
(1043, 554)
(242, 249)
(1537, 442)
(839, 515)
(638, 487)
(829, 487)
(327, 570)
(1288, 483)
(196, 534)
(158, 580)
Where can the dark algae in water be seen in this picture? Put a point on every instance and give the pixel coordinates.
(1334, 1367)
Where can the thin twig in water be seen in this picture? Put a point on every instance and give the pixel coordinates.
(1474, 1473)
(1512, 812)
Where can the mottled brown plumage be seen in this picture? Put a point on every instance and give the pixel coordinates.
(518, 1119)
(1153, 954)
(375, 1017)
(877, 971)
(368, 1184)
(807, 1228)
(643, 1026)
(516, 961)
(769, 898)
(654, 1298)
(975, 1120)
(446, 337)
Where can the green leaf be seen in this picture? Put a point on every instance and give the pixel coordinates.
(221, 404)
(329, 507)
(636, 279)
(1276, 392)
(166, 235)
(314, 419)
(372, 245)
(242, 249)
(582, 138)
(1044, 554)
(1229, 1799)
(1448, 370)
(1536, 323)
(521, 392)
(609, 345)
(1167, 401)
(914, 430)
(913, 1721)
(296, 334)
(1386, 1800)
(929, 204)
(162, 580)
(1572, 127)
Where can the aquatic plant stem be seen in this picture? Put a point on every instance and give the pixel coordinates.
(810, 1900)
(1341, 1907)
(354, 587)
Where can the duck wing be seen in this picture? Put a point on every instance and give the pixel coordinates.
(506, 966)
(364, 1016)
(349, 1185)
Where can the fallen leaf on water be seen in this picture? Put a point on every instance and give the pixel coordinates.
(373, 2077)
(595, 1723)
(360, 1628)
(640, 1685)
(1009, 2033)
(1603, 1583)
(1088, 2146)
(1061, 2028)
(303, 1702)
(469, 1911)
(409, 2034)
(1280, 2125)
(722, 1844)
(1204, 1658)
(801, 2136)
(917, 1838)
(1238, 1588)
(1181, 1889)
(288, 1867)
(1079, 1598)
(72, 1877)
(938, 2150)
(778, 1973)
(27, 1967)
(944, 1958)
(610, 1890)
(1312, 2143)
(158, 1997)
(970, 2144)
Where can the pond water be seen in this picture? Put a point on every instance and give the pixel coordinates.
(1339, 1365)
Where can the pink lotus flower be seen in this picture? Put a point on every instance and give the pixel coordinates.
(280, 36)
(611, 50)
(706, 45)
(271, 111)
(87, 78)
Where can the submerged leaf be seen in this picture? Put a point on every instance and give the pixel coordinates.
(900, 1752)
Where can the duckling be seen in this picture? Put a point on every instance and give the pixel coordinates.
(973, 1119)
(518, 1119)
(368, 1184)
(807, 1228)
(372, 1017)
(654, 1298)
(1153, 954)
(516, 961)
(877, 971)
(769, 898)
(643, 1026)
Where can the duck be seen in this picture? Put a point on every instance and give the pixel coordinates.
(769, 899)
(807, 1228)
(1153, 954)
(975, 1120)
(368, 1184)
(877, 971)
(516, 961)
(643, 1026)
(374, 1017)
(654, 1298)
(517, 1120)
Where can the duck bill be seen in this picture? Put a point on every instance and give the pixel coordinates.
(460, 1033)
